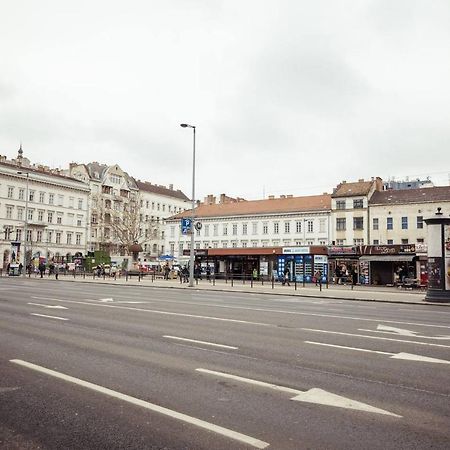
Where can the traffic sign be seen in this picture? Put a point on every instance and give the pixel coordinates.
(186, 225)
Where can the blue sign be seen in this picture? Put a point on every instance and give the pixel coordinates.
(186, 225)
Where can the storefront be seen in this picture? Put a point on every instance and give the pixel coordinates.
(255, 262)
(388, 263)
(344, 262)
(303, 263)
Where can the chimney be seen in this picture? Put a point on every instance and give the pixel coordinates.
(361, 180)
(271, 197)
(344, 181)
(171, 187)
(289, 196)
(282, 196)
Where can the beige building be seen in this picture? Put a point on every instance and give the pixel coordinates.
(55, 215)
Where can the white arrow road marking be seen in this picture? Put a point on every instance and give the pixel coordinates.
(400, 331)
(104, 300)
(48, 306)
(201, 342)
(439, 338)
(375, 337)
(401, 355)
(134, 303)
(49, 317)
(248, 440)
(314, 395)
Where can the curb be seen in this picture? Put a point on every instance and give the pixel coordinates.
(282, 294)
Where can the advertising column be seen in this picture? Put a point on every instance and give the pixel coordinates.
(438, 228)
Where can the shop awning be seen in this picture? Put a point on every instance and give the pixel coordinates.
(387, 258)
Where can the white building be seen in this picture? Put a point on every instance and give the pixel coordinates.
(238, 223)
(157, 203)
(111, 192)
(55, 214)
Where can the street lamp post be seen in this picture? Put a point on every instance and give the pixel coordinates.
(191, 255)
(25, 227)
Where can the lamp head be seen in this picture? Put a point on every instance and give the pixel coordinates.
(186, 125)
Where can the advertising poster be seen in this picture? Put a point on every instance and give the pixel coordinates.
(447, 256)
(434, 273)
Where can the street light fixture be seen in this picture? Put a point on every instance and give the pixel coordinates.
(191, 255)
(25, 228)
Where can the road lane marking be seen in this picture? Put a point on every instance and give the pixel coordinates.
(213, 344)
(106, 300)
(403, 332)
(401, 355)
(49, 317)
(154, 311)
(314, 395)
(47, 306)
(147, 405)
(374, 337)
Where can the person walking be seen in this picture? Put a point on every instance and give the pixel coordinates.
(318, 277)
(56, 270)
(42, 269)
(286, 276)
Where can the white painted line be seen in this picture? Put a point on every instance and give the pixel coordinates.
(48, 317)
(349, 348)
(438, 338)
(48, 306)
(374, 337)
(399, 331)
(106, 300)
(154, 311)
(401, 355)
(248, 440)
(201, 342)
(134, 303)
(314, 395)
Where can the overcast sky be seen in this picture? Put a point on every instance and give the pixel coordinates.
(289, 97)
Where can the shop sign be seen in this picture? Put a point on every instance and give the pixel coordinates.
(339, 250)
(447, 256)
(421, 248)
(404, 249)
(323, 259)
(197, 252)
(296, 250)
(264, 268)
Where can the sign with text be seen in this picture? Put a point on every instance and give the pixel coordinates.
(186, 226)
(296, 251)
(404, 249)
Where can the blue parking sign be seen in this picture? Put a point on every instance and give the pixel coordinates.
(186, 225)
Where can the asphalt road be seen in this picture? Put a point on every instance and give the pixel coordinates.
(97, 366)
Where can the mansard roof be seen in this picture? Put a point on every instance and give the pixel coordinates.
(313, 203)
(146, 186)
(404, 196)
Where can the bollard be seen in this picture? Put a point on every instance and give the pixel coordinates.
(327, 281)
(273, 279)
(196, 281)
(74, 271)
(352, 286)
(214, 279)
(320, 284)
(243, 279)
(226, 278)
(139, 277)
(295, 283)
(304, 280)
(251, 282)
(126, 275)
(231, 280)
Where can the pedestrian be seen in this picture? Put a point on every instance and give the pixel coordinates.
(208, 273)
(42, 269)
(338, 274)
(318, 277)
(354, 276)
(20, 268)
(56, 270)
(255, 274)
(286, 276)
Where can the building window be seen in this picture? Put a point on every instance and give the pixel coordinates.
(254, 243)
(340, 204)
(298, 226)
(358, 204)
(172, 248)
(358, 223)
(18, 235)
(29, 235)
(404, 223)
(49, 236)
(78, 222)
(20, 213)
(310, 226)
(276, 228)
(265, 228)
(206, 230)
(244, 228)
(10, 192)
(390, 241)
(30, 214)
(340, 241)
(287, 227)
(21, 194)
(59, 220)
(80, 203)
(225, 229)
(358, 241)
(224, 244)
(340, 224)
(215, 244)
(234, 244)
(375, 223)
(41, 197)
(31, 196)
(404, 241)
(389, 223)
(234, 229)
(419, 222)
(39, 236)
(9, 210)
(51, 199)
(255, 228)
(40, 216)
(215, 230)
(69, 238)
(49, 217)
(376, 242)
(322, 224)
(420, 240)
(244, 244)
(172, 231)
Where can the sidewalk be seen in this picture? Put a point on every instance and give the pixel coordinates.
(336, 292)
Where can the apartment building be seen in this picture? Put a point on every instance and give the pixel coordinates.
(52, 207)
